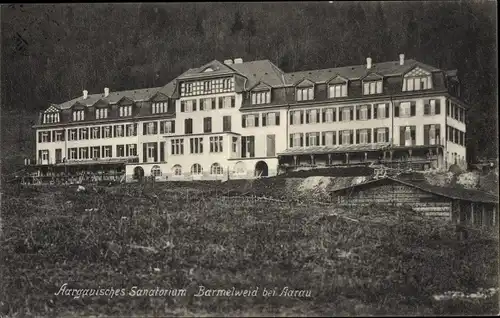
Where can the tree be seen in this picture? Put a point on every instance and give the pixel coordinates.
(237, 24)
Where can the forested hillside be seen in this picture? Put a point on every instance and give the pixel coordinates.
(50, 53)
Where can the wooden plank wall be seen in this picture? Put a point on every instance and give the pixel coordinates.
(396, 194)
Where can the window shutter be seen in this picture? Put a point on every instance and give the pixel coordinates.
(162, 127)
(243, 122)
(39, 136)
(369, 112)
(387, 134)
(334, 138)
(334, 114)
(375, 111)
(426, 134)
(396, 110)
(194, 105)
(340, 136)
(340, 114)
(352, 136)
(438, 134)
(323, 114)
(291, 140)
(144, 153)
(357, 113)
(233, 102)
(264, 120)
(214, 106)
(291, 118)
(302, 140)
(387, 110)
(317, 116)
(438, 106)
(412, 108)
(307, 140)
(427, 107)
(256, 120)
(301, 117)
(357, 136)
(277, 119)
(144, 129)
(369, 136)
(351, 114)
(413, 134)
(155, 127)
(39, 155)
(220, 102)
(155, 157)
(375, 133)
(183, 106)
(323, 139)
(308, 113)
(173, 126)
(402, 136)
(162, 151)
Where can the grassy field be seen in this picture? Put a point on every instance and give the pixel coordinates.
(372, 261)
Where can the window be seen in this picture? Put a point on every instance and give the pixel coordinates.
(372, 87)
(216, 169)
(207, 124)
(271, 145)
(78, 115)
(312, 139)
(405, 109)
(107, 151)
(239, 168)
(250, 121)
(59, 135)
(189, 88)
(417, 83)
(381, 135)
(83, 153)
(363, 136)
(296, 140)
(432, 107)
(207, 103)
(381, 111)
(235, 145)
(159, 108)
(407, 135)
(263, 97)
(227, 84)
(312, 116)
(156, 171)
(227, 102)
(95, 133)
(196, 169)
(188, 106)
(296, 117)
(106, 132)
(125, 111)
(216, 144)
(363, 112)
(72, 134)
(188, 126)
(95, 152)
(177, 146)
(226, 123)
(131, 150)
(329, 138)
(329, 115)
(346, 114)
(101, 113)
(207, 87)
(83, 133)
(337, 90)
(119, 131)
(150, 152)
(196, 145)
(150, 128)
(51, 118)
(44, 136)
(306, 93)
(72, 153)
(44, 155)
(346, 137)
(248, 146)
(271, 119)
(120, 150)
(167, 127)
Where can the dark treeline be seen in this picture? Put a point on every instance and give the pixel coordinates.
(50, 53)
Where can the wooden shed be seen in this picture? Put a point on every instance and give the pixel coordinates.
(455, 204)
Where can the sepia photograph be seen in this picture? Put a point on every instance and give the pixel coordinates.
(249, 159)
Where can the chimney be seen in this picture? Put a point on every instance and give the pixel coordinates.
(228, 62)
(368, 62)
(401, 59)
(85, 93)
(106, 92)
(238, 60)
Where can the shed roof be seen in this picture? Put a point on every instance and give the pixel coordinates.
(452, 193)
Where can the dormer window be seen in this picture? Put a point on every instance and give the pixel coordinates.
(101, 113)
(262, 97)
(207, 87)
(125, 111)
(51, 118)
(78, 115)
(226, 84)
(159, 108)
(372, 87)
(416, 80)
(305, 93)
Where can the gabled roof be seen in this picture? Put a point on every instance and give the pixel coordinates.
(355, 72)
(337, 79)
(260, 71)
(101, 102)
(217, 67)
(52, 109)
(449, 192)
(372, 76)
(305, 82)
(260, 86)
(417, 71)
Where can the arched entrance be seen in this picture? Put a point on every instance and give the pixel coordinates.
(138, 173)
(261, 169)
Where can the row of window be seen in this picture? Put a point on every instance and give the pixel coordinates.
(268, 119)
(109, 131)
(456, 136)
(196, 145)
(97, 152)
(204, 104)
(196, 169)
(103, 113)
(364, 136)
(213, 86)
(455, 111)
